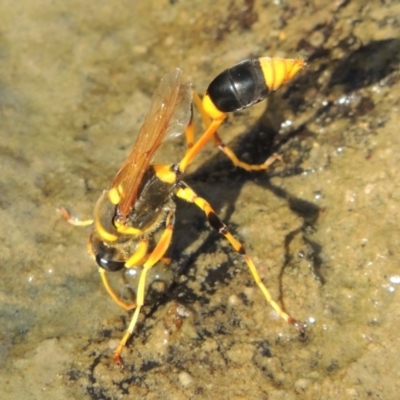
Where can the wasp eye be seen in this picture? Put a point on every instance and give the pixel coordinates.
(109, 265)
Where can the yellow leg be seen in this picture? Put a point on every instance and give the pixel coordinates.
(73, 220)
(196, 147)
(111, 292)
(154, 257)
(241, 164)
(227, 150)
(204, 138)
(139, 255)
(186, 193)
(189, 132)
(199, 104)
(135, 260)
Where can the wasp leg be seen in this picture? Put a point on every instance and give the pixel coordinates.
(189, 131)
(196, 147)
(73, 220)
(241, 164)
(186, 193)
(112, 294)
(136, 259)
(227, 150)
(154, 257)
(139, 255)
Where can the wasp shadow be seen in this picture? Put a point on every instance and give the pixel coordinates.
(221, 183)
(368, 65)
(351, 73)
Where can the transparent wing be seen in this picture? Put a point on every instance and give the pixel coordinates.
(169, 115)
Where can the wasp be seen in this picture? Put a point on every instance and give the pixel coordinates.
(140, 200)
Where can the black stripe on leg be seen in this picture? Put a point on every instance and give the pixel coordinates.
(241, 250)
(216, 223)
(219, 226)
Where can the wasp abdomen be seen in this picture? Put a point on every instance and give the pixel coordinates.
(247, 83)
(238, 87)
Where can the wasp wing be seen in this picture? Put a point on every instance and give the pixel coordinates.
(169, 114)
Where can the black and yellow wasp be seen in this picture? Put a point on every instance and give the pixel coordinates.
(140, 199)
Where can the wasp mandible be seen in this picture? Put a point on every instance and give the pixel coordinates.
(140, 199)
